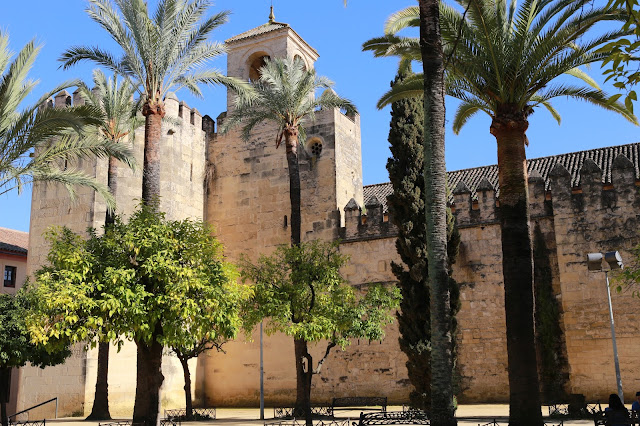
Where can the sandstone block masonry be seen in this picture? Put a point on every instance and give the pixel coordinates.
(241, 188)
(182, 180)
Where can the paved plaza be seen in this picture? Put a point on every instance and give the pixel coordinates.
(468, 415)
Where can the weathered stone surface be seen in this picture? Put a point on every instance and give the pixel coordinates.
(242, 189)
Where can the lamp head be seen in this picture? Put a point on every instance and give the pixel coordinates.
(594, 261)
(614, 260)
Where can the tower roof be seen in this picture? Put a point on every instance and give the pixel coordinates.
(262, 29)
(270, 27)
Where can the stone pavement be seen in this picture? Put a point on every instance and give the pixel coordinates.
(468, 415)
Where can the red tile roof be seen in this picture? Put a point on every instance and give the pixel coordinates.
(13, 242)
(572, 161)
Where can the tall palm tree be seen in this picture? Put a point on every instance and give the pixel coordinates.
(160, 53)
(435, 176)
(118, 122)
(428, 49)
(506, 62)
(36, 141)
(285, 96)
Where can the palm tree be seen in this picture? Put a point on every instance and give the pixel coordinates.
(160, 53)
(430, 84)
(118, 122)
(36, 141)
(285, 96)
(505, 62)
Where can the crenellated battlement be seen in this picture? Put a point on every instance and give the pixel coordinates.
(189, 118)
(584, 191)
(374, 224)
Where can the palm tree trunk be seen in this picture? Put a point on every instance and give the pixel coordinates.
(517, 269)
(303, 380)
(187, 387)
(149, 378)
(152, 137)
(5, 388)
(100, 409)
(291, 142)
(442, 410)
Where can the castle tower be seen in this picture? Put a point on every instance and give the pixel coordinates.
(182, 196)
(248, 200)
(248, 204)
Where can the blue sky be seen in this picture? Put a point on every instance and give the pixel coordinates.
(337, 33)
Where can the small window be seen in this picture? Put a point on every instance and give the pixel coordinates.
(10, 276)
(255, 65)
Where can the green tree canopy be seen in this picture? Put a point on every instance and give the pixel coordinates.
(301, 292)
(17, 348)
(118, 121)
(35, 140)
(150, 280)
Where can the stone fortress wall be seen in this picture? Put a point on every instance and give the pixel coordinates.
(182, 196)
(241, 187)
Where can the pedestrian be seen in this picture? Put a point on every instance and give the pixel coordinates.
(636, 404)
(616, 413)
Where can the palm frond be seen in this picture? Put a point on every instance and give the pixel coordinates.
(410, 87)
(406, 18)
(464, 112)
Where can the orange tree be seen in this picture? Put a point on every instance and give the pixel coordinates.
(300, 291)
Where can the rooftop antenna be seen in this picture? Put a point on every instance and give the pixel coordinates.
(272, 17)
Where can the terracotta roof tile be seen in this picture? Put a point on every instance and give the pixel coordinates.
(262, 29)
(14, 241)
(603, 157)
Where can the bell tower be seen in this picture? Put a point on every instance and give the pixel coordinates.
(247, 51)
(248, 205)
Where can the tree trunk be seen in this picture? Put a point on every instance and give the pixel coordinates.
(517, 270)
(291, 142)
(303, 380)
(112, 183)
(5, 389)
(152, 137)
(149, 378)
(442, 410)
(100, 410)
(187, 387)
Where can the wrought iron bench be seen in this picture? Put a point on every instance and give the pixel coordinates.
(405, 417)
(359, 403)
(600, 418)
(28, 423)
(547, 423)
(301, 422)
(287, 412)
(181, 413)
(163, 422)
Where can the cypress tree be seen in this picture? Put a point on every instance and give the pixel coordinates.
(407, 212)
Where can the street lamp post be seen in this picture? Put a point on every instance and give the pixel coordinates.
(594, 263)
(261, 378)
